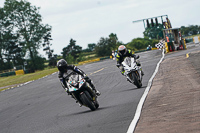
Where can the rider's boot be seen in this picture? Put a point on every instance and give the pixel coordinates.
(77, 102)
(74, 99)
(123, 73)
(80, 105)
(139, 64)
(98, 93)
(142, 73)
(93, 87)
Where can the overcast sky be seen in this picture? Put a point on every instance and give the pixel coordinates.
(86, 21)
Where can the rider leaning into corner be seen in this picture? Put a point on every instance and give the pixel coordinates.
(63, 68)
(123, 52)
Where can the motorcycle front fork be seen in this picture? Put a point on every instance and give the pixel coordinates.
(77, 100)
(129, 77)
(91, 91)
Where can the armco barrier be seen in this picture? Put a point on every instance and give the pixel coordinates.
(3, 74)
(26, 71)
(7, 74)
(11, 73)
(154, 48)
(89, 61)
(94, 60)
(188, 40)
(103, 58)
(140, 51)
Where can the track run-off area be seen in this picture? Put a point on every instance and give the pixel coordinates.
(43, 106)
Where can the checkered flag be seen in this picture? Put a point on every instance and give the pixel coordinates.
(159, 45)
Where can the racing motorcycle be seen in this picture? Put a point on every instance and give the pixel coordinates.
(81, 91)
(132, 71)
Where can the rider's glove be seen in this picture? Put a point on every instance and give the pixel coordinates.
(137, 56)
(86, 77)
(123, 73)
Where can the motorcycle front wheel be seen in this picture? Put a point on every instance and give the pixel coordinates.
(96, 104)
(87, 100)
(136, 78)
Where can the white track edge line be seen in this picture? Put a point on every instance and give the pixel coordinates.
(140, 105)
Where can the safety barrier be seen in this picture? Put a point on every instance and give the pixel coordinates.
(140, 51)
(94, 60)
(6, 74)
(154, 48)
(188, 40)
(196, 39)
(103, 58)
(19, 72)
(89, 61)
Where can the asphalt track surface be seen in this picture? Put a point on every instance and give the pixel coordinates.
(172, 104)
(43, 106)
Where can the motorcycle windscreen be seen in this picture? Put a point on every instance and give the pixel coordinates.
(73, 80)
(127, 60)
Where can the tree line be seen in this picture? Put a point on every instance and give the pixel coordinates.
(22, 34)
(104, 47)
(190, 30)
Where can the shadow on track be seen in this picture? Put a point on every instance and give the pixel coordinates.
(88, 111)
(131, 89)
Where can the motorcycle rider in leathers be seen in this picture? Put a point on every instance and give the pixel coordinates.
(63, 68)
(123, 52)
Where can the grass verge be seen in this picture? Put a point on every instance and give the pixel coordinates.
(6, 82)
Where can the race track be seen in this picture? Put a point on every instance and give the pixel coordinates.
(43, 106)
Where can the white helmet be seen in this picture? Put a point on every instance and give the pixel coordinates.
(122, 49)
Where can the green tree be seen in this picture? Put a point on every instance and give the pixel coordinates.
(154, 32)
(184, 30)
(5, 30)
(102, 48)
(113, 41)
(141, 43)
(70, 59)
(81, 57)
(52, 58)
(11, 53)
(190, 30)
(27, 22)
(91, 47)
(14, 53)
(40, 63)
(47, 45)
(73, 50)
(105, 45)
